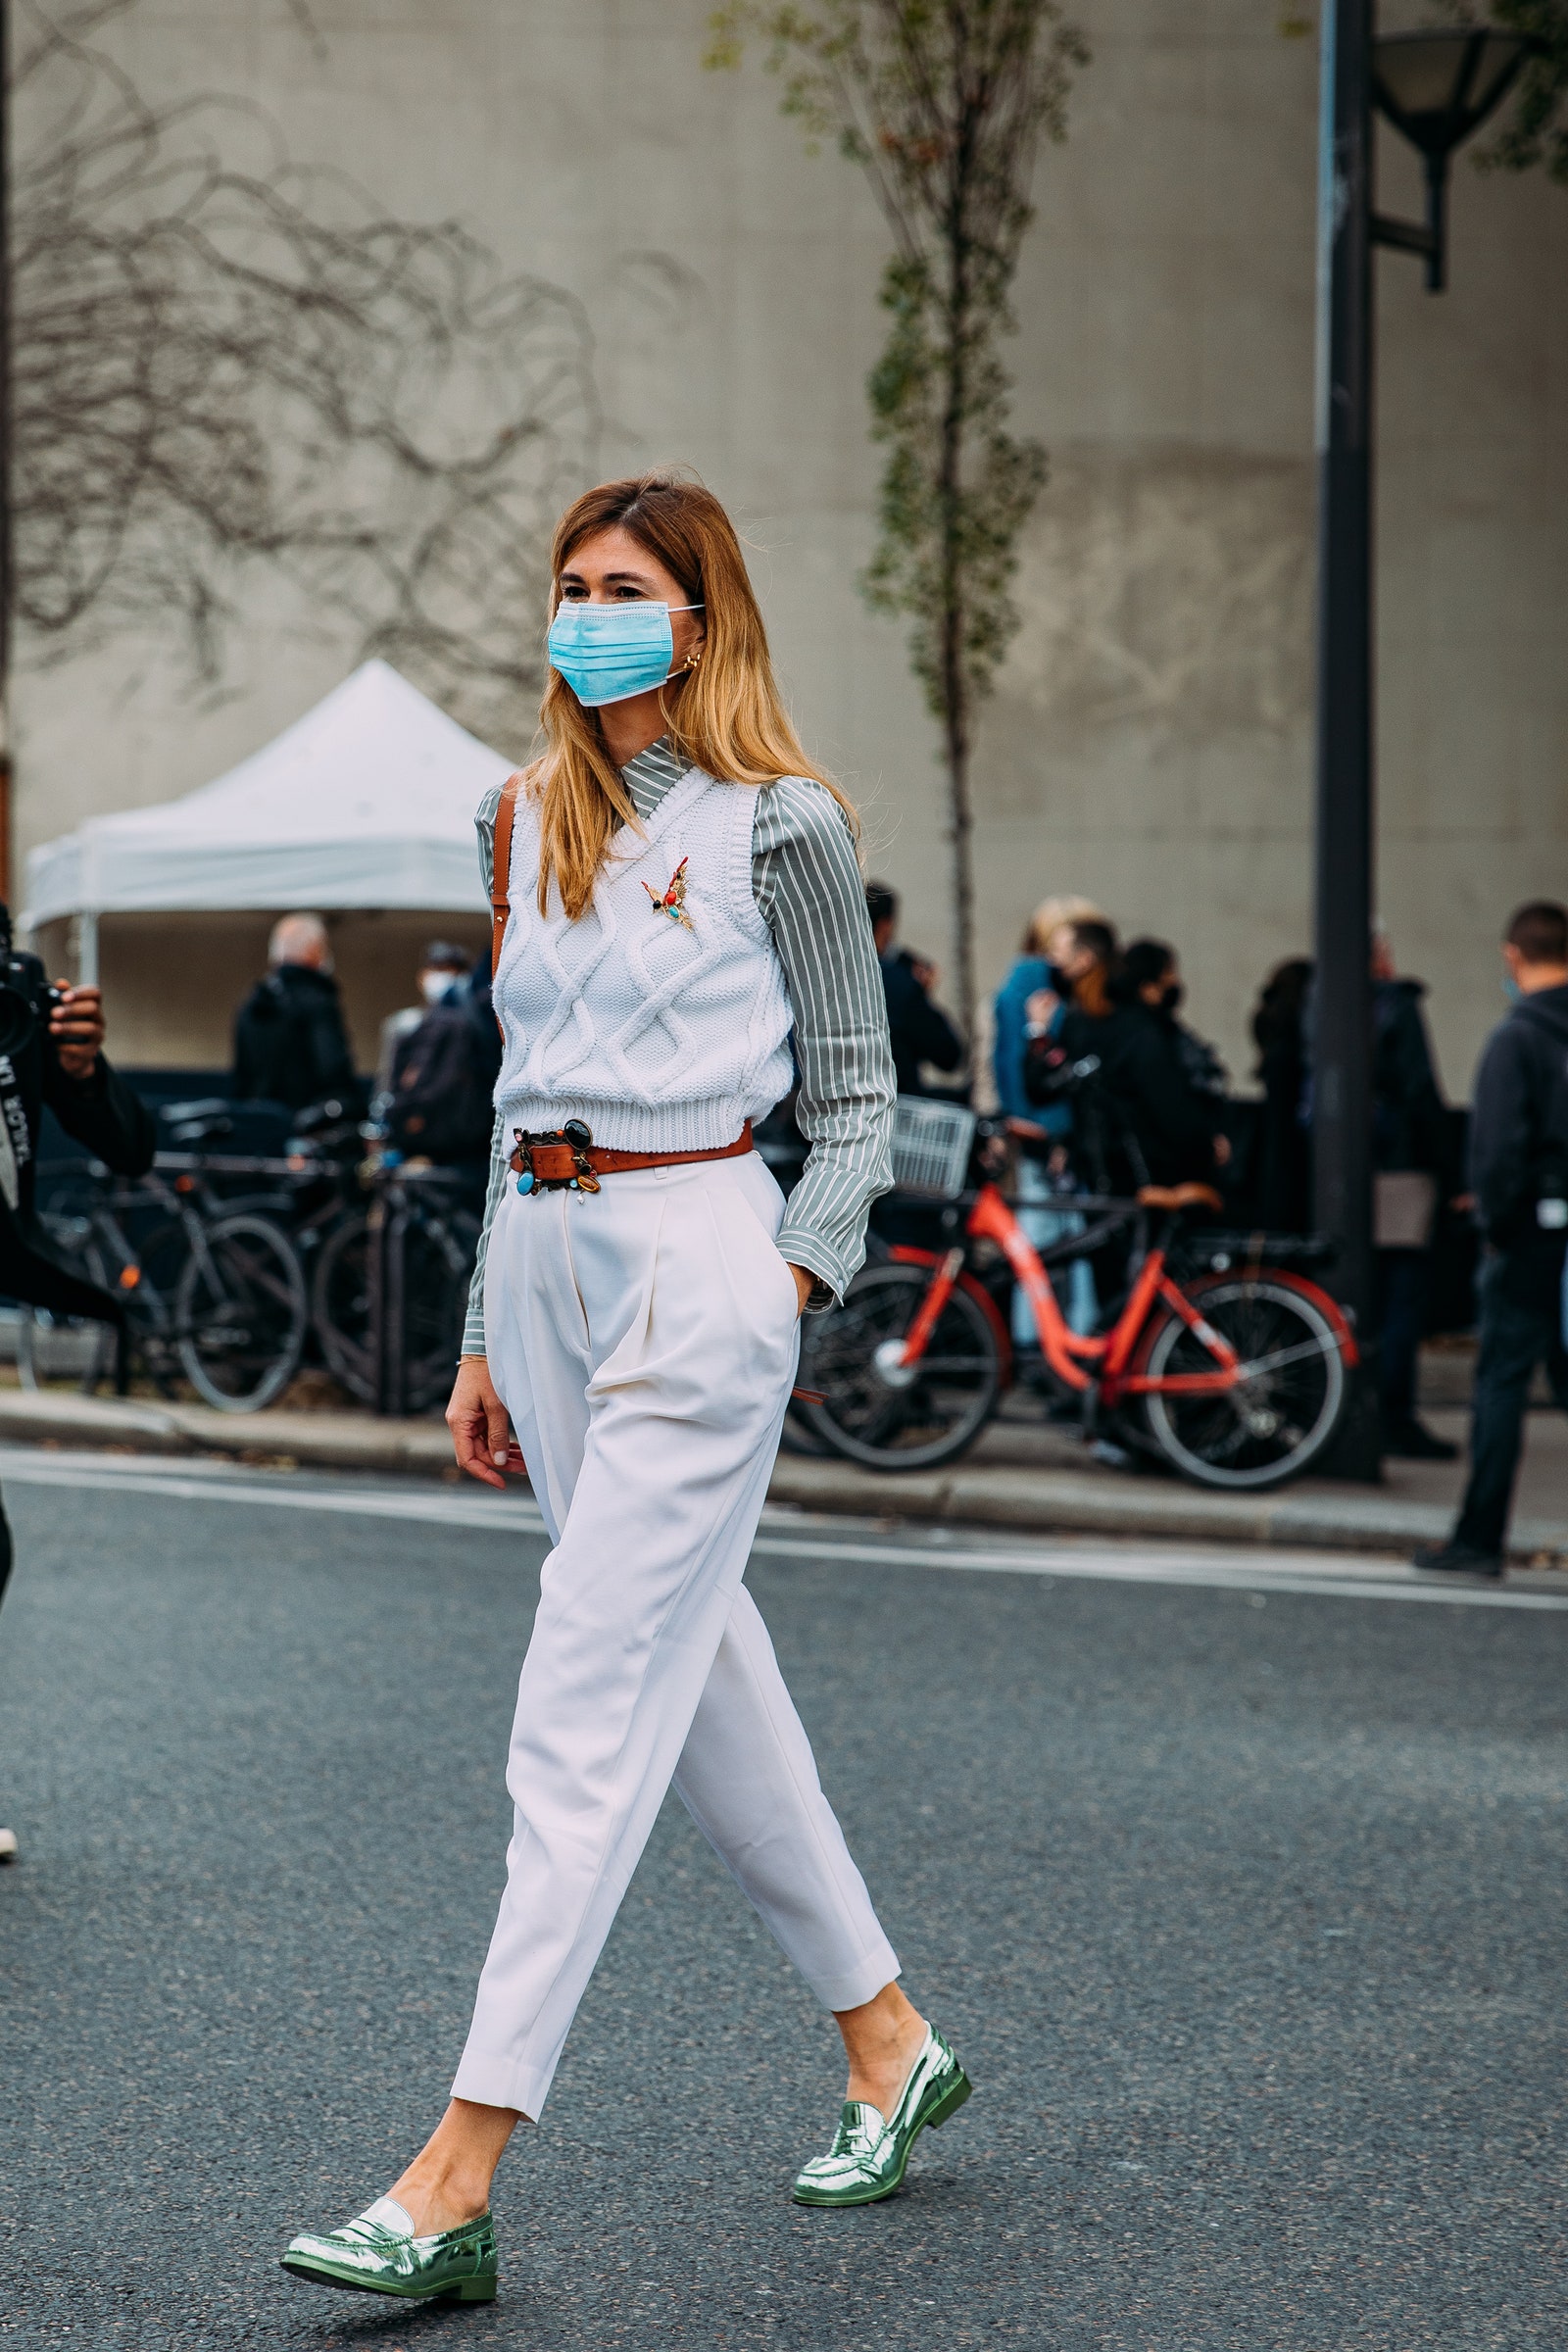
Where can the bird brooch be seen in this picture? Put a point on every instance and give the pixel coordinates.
(674, 902)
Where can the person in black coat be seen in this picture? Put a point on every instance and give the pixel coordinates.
(1410, 1138)
(291, 1046)
(51, 1052)
(918, 1031)
(1519, 1177)
(1138, 1117)
(1284, 1141)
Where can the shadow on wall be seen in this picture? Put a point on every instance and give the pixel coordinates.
(171, 982)
(1166, 589)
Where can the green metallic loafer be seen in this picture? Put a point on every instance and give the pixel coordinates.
(870, 2155)
(379, 2254)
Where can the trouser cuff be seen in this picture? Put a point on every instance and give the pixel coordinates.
(862, 1982)
(492, 2080)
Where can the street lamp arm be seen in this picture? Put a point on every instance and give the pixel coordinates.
(1405, 236)
(1429, 237)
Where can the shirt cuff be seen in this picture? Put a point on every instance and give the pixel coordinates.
(802, 1249)
(472, 1336)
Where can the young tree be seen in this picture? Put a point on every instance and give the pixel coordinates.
(1536, 131)
(942, 103)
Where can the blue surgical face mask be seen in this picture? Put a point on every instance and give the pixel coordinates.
(607, 652)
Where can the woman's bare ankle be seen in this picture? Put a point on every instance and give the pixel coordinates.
(882, 2040)
(448, 2183)
(437, 2201)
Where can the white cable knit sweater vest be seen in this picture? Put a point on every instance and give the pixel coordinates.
(660, 1035)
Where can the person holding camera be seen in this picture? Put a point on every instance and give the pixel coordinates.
(51, 1053)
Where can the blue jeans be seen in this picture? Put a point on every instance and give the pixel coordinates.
(1521, 1326)
(1045, 1225)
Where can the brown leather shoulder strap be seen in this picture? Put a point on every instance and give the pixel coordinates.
(501, 866)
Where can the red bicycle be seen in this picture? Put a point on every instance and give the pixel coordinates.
(1230, 1369)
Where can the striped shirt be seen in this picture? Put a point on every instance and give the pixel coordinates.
(809, 892)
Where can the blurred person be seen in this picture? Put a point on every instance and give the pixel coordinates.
(1152, 972)
(1047, 938)
(1284, 1144)
(439, 1101)
(1138, 1120)
(1151, 976)
(1040, 1129)
(443, 967)
(1519, 1178)
(919, 1031)
(51, 1053)
(1410, 1157)
(290, 1045)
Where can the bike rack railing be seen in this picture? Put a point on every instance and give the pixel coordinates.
(389, 1221)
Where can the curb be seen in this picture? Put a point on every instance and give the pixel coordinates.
(1064, 1503)
(1040, 1501)
(322, 1441)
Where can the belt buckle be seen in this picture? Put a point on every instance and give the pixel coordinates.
(578, 1139)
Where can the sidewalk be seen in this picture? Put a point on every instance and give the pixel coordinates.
(1022, 1475)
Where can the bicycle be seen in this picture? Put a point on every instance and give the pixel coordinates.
(398, 1269)
(209, 1293)
(1234, 1374)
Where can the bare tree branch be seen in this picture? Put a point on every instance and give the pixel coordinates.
(224, 360)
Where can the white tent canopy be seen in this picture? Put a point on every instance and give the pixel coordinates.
(367, 801)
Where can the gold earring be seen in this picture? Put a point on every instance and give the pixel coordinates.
(692, 658)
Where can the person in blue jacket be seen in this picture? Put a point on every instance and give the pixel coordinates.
(1041, 1130)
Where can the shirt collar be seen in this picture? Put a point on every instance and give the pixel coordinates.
(652, 775)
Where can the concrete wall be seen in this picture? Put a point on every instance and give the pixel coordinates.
(1150, 743)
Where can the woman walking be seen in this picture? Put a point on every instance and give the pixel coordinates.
(676, 889)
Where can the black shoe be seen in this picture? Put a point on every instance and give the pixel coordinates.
(1459, 1560)
(1409, 1442)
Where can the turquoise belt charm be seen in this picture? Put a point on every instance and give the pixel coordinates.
(525, 1182)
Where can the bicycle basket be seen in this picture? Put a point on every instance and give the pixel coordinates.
(931, 1147)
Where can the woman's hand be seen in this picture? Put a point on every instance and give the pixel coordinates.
(804, 1282)
(481, 1433)
(76, 1026)
(1040, 1009)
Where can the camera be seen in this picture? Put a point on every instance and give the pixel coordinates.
(26, 999)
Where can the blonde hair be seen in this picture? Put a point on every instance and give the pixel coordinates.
(724, 714)
(1049, 916)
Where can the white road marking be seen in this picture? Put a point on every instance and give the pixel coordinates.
(1218, 1568)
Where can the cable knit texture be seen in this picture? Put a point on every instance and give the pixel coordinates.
(660, 1035)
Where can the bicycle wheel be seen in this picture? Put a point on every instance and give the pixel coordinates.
(437, 1269)
(1281, 1417)
(875, 1412)
(240, 1315)
(340, 1305)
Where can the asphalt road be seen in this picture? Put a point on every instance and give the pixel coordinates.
(1238, 1884)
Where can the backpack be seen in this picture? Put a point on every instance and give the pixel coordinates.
(441, 1090)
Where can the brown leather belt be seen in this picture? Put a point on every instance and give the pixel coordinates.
(569, 1156)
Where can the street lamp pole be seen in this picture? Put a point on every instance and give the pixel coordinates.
(6, 580)
(1437, 88)
(1342, 1045)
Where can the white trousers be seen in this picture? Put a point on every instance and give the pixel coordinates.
(644, 1341)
